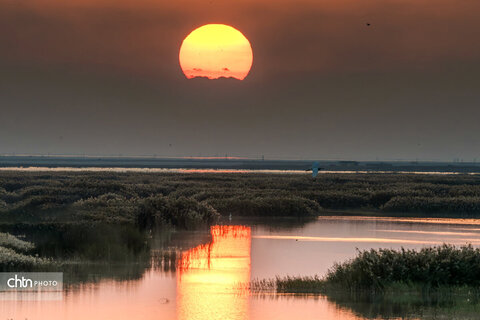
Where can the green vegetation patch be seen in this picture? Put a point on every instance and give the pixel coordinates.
(434, 267)
(9, 241)
(288, 206)
(13, 254)
(115, 197)
(385, 270)
(11, 260)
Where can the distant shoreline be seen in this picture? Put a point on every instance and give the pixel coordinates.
(233, 163)
(219, 171)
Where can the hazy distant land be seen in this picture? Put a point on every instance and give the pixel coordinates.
(235, 163)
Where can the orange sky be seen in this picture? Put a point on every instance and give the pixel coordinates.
(290, 36)
(323, 84)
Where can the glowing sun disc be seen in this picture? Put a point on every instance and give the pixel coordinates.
(214, 51)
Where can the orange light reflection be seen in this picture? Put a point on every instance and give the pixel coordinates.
(209, 275)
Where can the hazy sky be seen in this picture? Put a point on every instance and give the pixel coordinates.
(102, 77)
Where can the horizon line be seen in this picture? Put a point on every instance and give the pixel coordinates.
(226, 157)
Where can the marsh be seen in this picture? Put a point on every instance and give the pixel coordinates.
(189, 246)
(205, 273)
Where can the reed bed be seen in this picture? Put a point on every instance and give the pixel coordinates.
(388, 270)
(120, 197)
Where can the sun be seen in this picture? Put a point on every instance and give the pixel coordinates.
(214, 51)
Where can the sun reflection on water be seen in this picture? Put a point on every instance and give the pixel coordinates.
(208, 276)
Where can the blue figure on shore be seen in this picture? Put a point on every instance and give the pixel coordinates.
(315, 168)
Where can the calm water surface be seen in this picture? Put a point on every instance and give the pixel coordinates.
(206, 283)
